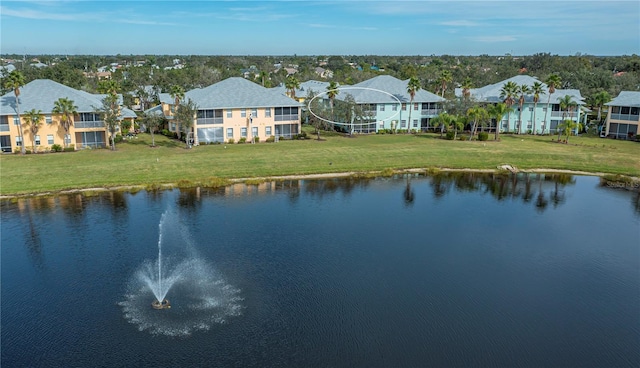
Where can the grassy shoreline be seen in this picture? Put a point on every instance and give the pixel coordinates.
(136, 165)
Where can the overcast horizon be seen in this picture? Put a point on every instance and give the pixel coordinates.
(276, 28)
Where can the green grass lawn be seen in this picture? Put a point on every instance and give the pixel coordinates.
(135, 163)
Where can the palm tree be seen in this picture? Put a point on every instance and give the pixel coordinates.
(567, 127)
(566, 106)
(15, 80)
(507, 94)
(291, 84)
(537, 89)
(523, 91)
(478, 115)
(110, 112)
(466, 88)
(443, 120)
(67, 111)
(332, 92)
(598, 101)
(552, 81)
(108, 86)
(33, 120)
(445, 78)
(497, 112)
(413, 86)
(177, 93)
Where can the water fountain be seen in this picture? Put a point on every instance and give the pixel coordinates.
(200, 294)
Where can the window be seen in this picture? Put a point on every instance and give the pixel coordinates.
(16, 121)
(254, 113)
(381, 124)
(415, 123)
(37, 140)
(67, 138)
(229, 132)
(243, 132)
(267, 130)
(403, 123)
(404, 107)
(229, 113)
(48, 119)
(267, 112)
(49, 139)
(531, 109)
(18, 141)
(286, 113)
(381, 107)
(254, 131)
(243, 113)
(394, 107)
(172, 127)
(415, 107)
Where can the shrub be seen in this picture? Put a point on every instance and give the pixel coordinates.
(381, 131)
(450, 135)
(242, 140)
(118, 138)
(483, 136)
(231, 141)
(166, 132)
(69, 149)
(256, 139)
(463, 138)
(271, 139)
(56, 148)
(28, 151)
(302, 135)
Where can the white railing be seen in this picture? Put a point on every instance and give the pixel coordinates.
(89, 124)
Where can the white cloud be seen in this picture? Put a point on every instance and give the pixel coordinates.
(460, 23)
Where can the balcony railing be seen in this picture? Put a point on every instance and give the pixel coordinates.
(89, 124)
(625, 117)
(430, 111)
(208, 121)
(4, 127)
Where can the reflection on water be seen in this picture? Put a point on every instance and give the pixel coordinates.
(539, 190)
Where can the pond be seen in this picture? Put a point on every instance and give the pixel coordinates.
(458, 269)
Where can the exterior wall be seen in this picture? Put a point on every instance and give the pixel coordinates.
(623, 122)
(51, 132)
(266, 125)
(390, 119)
(548, 126)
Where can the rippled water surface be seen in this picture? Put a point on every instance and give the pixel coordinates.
(454, 270)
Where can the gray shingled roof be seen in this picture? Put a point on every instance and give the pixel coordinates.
(626, 98)
(41, 94)
(237, 92)
(491, 92)
(367, 91)
(310, 85)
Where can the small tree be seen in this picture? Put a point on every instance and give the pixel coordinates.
(497, 112)
(185, 115)
(444, 121)
(33, 121)
(413, 86)
(315, 104)
(152, 122)
(110, 111)
(14, 81)
(477, 115)
(567, 128)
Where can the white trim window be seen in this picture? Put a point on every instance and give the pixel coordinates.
(403, 123)
(229, 132)
(50, 139)
(229, 113)
(16, 121)
(243, 132)
(254, 132)
(267, 130)
(67, 138)
(48, 119)
(254, 113)
(381, 107)
(243, 113)
(37, 140)
(267, 112)
(18, 141)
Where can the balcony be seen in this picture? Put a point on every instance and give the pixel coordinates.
(209, 121)
(427, 112)
(4, 128)
(625, 117)
(89, 124)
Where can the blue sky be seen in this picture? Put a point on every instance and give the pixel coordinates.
(426, 27)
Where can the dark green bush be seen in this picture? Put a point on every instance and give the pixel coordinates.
(256, 139)
(450, 135)
(231, 141)
(118, 138)
(56, 148)
(271, 139)
(242, 140)
(483, 136)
